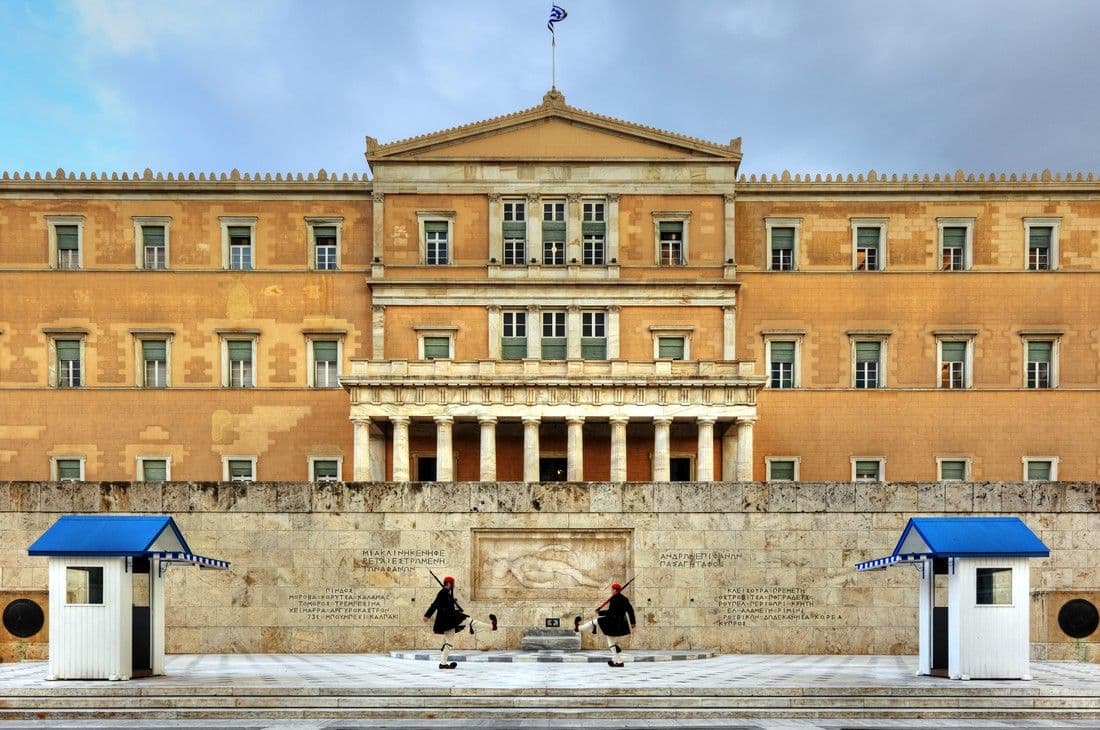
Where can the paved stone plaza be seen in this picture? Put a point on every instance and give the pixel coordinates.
(329, 690)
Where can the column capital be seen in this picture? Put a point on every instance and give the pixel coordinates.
(615, 308)
(378, 308)
(619, 419)
(487, 420)
(613, 197)
(360, 420)
(746, 421)
(573, 308)
(493, 307)
(707, 419)
(533, 198)
(400, 420)
(729, 197)
(573, 197)
(729, 307)
(529, 420)
(663, 420)
(378, 197)
(444, 419)
(494, 197)
(574, 419)
(533, 307)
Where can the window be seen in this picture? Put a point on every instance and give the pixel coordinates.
(1040, 364)
(151, 235)
(436, 347)
(437, 243)
(553, 232)
(868, 244)
(152, 469)
(83, 585)
(1041, 235)
(954, 358)
(239, 356)
(326, 363)
(154, 361)
(781, 363)
(593, 233)
(1041, 468)
(594, 335)
(956, 236)
(553, 335)
(67, 469)
(515, 232)
(783, 235)
(671, 243)
(868, 469)
(239, 469)
(670, 348)
(70, 373)
(782, 468)
(66, 239)
(325, 247)
(324, 469)
(953, 469)
(868, 364)
(513, 344)
(240, 248)
(993, 586)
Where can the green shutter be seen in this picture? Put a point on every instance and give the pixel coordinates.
(783, 352)
(240, 468)
(953, 470)
(67, 238)
(953, 351)
(553, 348)
(324, 232)
(867, 237)
(154, 350)
(435, 226)
(324, 351)
(954, 237)
(513, 348)
(437, 348)
(325, 469)
(1038, 351)
(782, 239)
(240, 232)
(670, 348)
(68, 468)
(867, 470)
(240, 351)
(1038, 470)
(594, 348)
(68, 349)
(515, 229)
(1039, 236)
(782, 470)
(553, 231)
(154, 470)
(868, 351)
(593, 228)
(671, 227)
(152, 235)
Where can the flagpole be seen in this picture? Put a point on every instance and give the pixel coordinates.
(553, 60)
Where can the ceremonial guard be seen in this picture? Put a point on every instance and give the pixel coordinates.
(615, 621)
(450, 619)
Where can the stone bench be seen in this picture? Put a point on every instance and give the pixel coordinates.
(550, 640)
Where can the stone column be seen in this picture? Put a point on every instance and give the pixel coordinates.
(488, 471)
(531, 448)
(575, 448)
(618, 448)
(361, 452)
(400, 448)
(613, 229)
(729, 333)
(534, 228)
(534, 332)
(730, 229)
(744, 449)
(572, 228)
(496, 230)
(573, 333)
(729, 453)
(704, 459)
(379, 227)
(613, 331)
(661, 448)
(496, 329)
(444, 450)
(378, 332)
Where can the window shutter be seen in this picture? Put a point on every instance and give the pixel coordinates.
(954, 237)
(783, 239)
(153, 235)
(594, 348)
(240, 350)
(515, 229)
(324, 351)
(321, 232)
(513, 348)
(240, 468)
(868, 351)
(68, 468)
(553, 231)
(154, 470)
(154, 350)
(240, 232)
(1038, 470)
(952, 470)
(67, 238)
(553, 348)
(68, 349)
(435, 226)
(324, 469)
(783, 352)
(953, 351)
(867, 470)
(436, 348)
(1039, 236)
(1038, 351)
(670, 348)
(593, 228)
(867, 237)
(782, 470)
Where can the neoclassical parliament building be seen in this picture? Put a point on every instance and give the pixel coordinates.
(549, 295)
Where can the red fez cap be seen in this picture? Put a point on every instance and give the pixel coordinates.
(449, 579)
(616, 587)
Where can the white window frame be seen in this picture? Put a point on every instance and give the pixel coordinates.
(225, 468)
(339, 468)
(141, 337)
(226, 221)
(254, 339)
(52, 221)
(504, 240)
(593, 202)
(433, 216)
(54, 368)
(797, 477)
(968, 360)
(657, 331)
(796, 375)
(769, 224)
(966, 468)
(423, 331)
(65, 457)
(672, 216)
(1055, 225)
(313, 222)
(883, 346)
(881, 468)
(881, 225)
(968, 244)
(140, 473)
(311, 369)
(1054, 461)
(140, 221)
(1055, 340)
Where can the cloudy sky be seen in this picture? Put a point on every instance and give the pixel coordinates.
(266, 85)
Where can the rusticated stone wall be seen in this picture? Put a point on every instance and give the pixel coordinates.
(753, 567)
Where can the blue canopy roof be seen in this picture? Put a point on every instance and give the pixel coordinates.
(118, 536)
(925, 538)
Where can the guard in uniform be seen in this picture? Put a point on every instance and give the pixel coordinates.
(615, 621)
(450, 619)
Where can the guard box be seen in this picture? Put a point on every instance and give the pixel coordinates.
(974, 593)
(106, 582)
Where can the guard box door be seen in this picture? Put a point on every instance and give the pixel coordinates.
(142, 627)
(939, 618)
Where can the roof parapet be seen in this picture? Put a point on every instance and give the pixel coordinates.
(959, 176)
(149, 176)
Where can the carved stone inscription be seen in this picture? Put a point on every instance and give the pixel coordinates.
(762, 605)
(551, 565)
(400, 561)
(697, 558)
(340, 606)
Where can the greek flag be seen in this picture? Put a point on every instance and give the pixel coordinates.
(556, 13)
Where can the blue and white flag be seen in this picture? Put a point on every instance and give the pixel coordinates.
(557, 13)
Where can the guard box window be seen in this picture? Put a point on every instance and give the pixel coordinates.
(994, 586)
(83, 585)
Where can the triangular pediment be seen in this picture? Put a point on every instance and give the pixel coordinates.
(553, 131)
